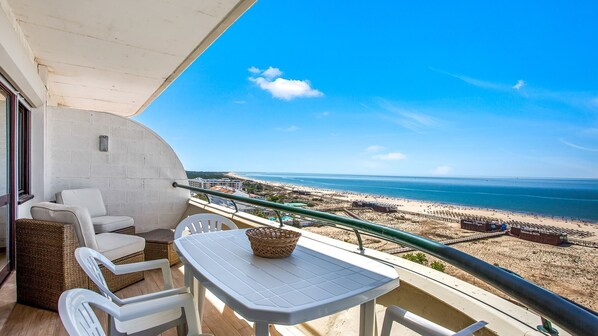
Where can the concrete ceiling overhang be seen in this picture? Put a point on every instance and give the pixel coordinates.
(118, 56)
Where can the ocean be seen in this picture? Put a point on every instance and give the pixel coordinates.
(572, 198)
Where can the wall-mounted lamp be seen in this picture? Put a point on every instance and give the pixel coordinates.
(103, 143)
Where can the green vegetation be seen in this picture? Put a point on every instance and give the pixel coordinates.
(275, 198)
(421, 259)
(260, 213)
(437, 265)
(253, 187)
(202, 197)
(206, 175)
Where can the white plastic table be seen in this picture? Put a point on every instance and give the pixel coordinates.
(315, 281)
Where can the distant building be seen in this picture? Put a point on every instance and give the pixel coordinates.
(539, 235)
(376, 206)
(472, 224)
(228, 203)
(209, 183)
(301, 192)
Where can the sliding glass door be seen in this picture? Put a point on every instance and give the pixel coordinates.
(5, 230)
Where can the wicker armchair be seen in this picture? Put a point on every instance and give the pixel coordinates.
(46, 264)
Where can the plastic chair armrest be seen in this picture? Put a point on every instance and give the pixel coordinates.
(163, 264)
(414, 322)
(155, 295)
(140, 309)
(471, 329)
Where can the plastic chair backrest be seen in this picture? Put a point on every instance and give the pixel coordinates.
(76, 314)
(202, 223)
(88, 260)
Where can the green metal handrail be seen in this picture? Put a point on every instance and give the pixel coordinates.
(565, 314)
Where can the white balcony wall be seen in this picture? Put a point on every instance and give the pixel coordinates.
(135, 176)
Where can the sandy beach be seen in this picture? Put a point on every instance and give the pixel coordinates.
(424, 207)
(569, 270)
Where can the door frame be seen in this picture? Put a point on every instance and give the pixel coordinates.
(11, 197)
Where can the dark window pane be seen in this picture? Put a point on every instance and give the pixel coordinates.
(23, 151)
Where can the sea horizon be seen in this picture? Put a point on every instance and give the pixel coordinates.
(575, 198)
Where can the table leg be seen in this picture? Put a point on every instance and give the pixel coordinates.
(367, 318)
(201, 296)
(199, 293)
(261, 329)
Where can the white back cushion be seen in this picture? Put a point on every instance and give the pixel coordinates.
(77, 216)
(91, 199)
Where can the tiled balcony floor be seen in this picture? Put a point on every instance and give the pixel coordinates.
(17, 319)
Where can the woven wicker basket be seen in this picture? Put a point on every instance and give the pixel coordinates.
(269, 242)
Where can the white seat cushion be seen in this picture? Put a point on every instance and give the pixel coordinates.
(104, 224)
(116, 245)
(87, 198)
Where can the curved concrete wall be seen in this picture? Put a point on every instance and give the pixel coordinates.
(135, 175)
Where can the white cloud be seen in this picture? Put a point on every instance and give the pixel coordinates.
(473, 81)
(519, 85)
(442, 170)
(322, 115)
(583, 100)
(572, 145)
(287, 89)
(281, 88)
(292, 128)
(254, 70)
(374, 148)
(590, 131)
(409, 119)
(482, 83)
(390, 156)
(272, 73)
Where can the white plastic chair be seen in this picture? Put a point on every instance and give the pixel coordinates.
(79, 319)
(194, 224)
(422, 326)
(88, 260)
(202, 223)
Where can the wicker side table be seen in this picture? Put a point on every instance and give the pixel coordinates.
(130, 230)
(158, 245)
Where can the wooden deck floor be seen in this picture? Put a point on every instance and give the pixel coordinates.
(17, 319)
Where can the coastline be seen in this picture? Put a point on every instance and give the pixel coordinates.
(428, 207)
(568, 270)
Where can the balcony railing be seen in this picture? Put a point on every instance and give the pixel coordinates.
(567, 315)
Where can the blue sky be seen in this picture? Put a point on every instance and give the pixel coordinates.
(436, 88)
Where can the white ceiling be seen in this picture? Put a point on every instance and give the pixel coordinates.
(119, 55)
